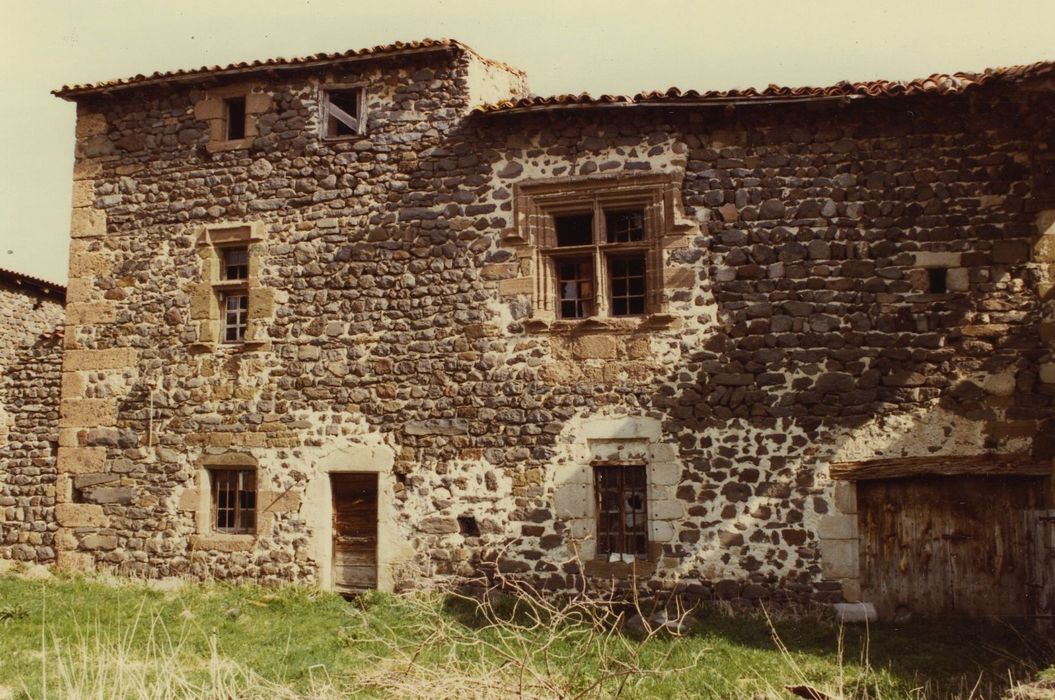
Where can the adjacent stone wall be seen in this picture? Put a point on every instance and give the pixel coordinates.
(797, 326)
(30, 362)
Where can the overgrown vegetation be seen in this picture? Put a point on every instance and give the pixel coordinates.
(96, 638)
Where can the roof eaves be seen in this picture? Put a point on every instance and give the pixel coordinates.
(42, 286)
(72, 92)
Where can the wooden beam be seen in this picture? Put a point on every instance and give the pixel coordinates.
(1020, 464)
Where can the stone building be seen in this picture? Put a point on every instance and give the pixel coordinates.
(385, 319)
(30, 373)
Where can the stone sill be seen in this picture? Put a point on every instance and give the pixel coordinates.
(223, 146)
(630, 324)
(618, 569)
(344, 139)
(219, 542)
(231, 348)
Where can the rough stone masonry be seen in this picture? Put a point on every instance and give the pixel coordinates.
(831, 277)
(30, 374)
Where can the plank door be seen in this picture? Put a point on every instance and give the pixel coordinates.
(1040, 529)
(944, 545)
(354, 531)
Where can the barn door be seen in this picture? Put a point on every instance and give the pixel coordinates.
(941, 545)
(354, 531)
(1040, 533)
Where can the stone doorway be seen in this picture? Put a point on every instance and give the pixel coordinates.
(354, 530)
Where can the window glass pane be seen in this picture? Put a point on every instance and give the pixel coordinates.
(627, 279)
(576, 229)
(235, 263)
(236, 315)
(622, 524)
(575, 287)
(624, 226)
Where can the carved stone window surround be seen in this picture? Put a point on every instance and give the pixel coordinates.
(206, 311)
(536, 202)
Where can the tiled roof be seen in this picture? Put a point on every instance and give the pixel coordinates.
(937, 84)
(74, 91)
(42, 287)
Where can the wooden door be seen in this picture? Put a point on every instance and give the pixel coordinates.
(942, 545)
(354, 531)
(1040, 531)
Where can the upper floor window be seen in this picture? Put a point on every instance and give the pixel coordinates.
(234, 117)
(236, 263)
(600, 262)
(342, 111)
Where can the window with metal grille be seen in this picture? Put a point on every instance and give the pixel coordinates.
(235, 263)
(234, 500)
(600, 263)
(342, 112)
(236, 316)
(622, 512)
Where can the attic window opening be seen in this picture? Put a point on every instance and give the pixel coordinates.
(937, 280)
(235, 116)
(342, 112)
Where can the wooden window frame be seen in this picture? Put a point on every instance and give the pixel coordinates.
(325, 114)
(238, 511)
(537, 203)
(603, 550)
(600, 251)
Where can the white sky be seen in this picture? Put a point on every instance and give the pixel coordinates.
(618, 46)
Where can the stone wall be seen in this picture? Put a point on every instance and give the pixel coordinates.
(795, 327)
(30, 374)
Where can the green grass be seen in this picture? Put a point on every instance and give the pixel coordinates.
(92, 637)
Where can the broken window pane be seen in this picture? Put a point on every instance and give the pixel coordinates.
(235, 118)
(625, 226)
(576, 229)
(575, 283)
(622, 524)
(627, 278)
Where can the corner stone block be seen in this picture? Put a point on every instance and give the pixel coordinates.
(89, 124)
(72, 385)
(257, 102)
(74, 561)
(845, 497)
(80, 515)
(837, 527)
(80, 460)
(88, 223)
(1047, 373)
(662, 531)
(108, 358)
(839, 558)
(957, 279)
(573, 501)
(666, 510)
(92, 313)
(665, 473)
(930, 259)
(83, 193)
(211, 107)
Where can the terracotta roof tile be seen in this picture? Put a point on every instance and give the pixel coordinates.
(74, 91)
(40, 285)
(937, 84)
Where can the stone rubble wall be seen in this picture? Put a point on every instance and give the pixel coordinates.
(30, 374)
(800, 329)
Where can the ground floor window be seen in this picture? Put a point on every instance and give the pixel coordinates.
(234, 500)
(622, 514)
